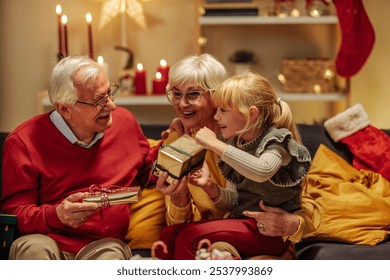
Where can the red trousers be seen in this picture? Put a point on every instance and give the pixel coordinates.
(182, 239)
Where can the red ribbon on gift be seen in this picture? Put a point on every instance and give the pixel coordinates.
(103, 192)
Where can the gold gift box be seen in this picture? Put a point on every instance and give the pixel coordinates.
(180, 157)
(113, 195)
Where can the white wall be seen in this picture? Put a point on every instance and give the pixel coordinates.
(371, 86)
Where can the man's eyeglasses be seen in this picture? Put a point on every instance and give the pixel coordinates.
(101, 103)
(192, 96)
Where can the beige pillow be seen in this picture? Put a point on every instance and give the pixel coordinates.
(354, 204)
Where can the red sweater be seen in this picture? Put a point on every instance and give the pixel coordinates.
(41, 168)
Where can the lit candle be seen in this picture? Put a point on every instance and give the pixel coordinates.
(88, 17)
(103, 64)
(140, 79)
(163, 69)
(159, 85)
(64, 20)
(59, 12)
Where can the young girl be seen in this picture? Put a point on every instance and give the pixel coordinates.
(261, 157)
(262, 160)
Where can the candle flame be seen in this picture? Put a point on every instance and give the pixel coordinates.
(88, 17)
(58, 9)
(64, 19)
(100, 59)
(163, 62)
(158, 75)
(140, 67)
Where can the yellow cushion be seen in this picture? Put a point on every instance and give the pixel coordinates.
(354, 204)
(147, 217)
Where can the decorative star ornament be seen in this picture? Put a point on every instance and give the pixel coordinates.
(111, 8)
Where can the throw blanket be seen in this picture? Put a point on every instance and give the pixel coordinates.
(354, 204)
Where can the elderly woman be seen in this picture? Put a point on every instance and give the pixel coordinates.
(192, 81)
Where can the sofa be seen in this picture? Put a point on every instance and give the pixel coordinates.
(313, 248)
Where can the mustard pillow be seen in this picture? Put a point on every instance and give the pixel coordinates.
(354, 204)
(147, 217)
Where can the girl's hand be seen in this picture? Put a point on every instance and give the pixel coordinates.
(201, 179)
(208, 139)
(201, 176)
(205, 137)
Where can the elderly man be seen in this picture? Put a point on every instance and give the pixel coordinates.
(51, 160)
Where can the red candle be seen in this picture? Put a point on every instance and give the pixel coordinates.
(88, 17)
(140, 80)
(64, 20)
(59, 12)
(163, 69)
(159, 84)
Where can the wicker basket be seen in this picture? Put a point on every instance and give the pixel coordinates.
(310, 75)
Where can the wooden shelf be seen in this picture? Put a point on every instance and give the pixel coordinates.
(237, 20)
(323, 97)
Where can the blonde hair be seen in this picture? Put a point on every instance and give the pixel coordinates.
(243, 91)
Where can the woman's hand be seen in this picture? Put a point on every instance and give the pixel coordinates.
(273, 221)
(176, 125)
(177, 190)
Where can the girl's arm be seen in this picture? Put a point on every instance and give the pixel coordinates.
(258, 169)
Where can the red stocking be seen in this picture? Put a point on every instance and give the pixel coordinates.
(369, 145)
(357, 38)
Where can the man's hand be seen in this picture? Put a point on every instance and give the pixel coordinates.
(274, 221)
(72, 212)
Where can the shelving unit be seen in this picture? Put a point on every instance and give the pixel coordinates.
(236, 20)
(293, 36)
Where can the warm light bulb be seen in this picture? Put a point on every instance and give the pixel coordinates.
(328, 74)
(64, 19)
(140, 67)
(158, 75)
(100, 59)
(281, 78)
(295, 13)
(315, 13)
(163, 63)
(317, 88)
(88, 17)
(58, 9)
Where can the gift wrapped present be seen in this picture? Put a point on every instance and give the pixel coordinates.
(180, 157)
(113, 195)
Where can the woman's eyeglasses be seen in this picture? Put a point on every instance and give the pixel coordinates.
(192, 97)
